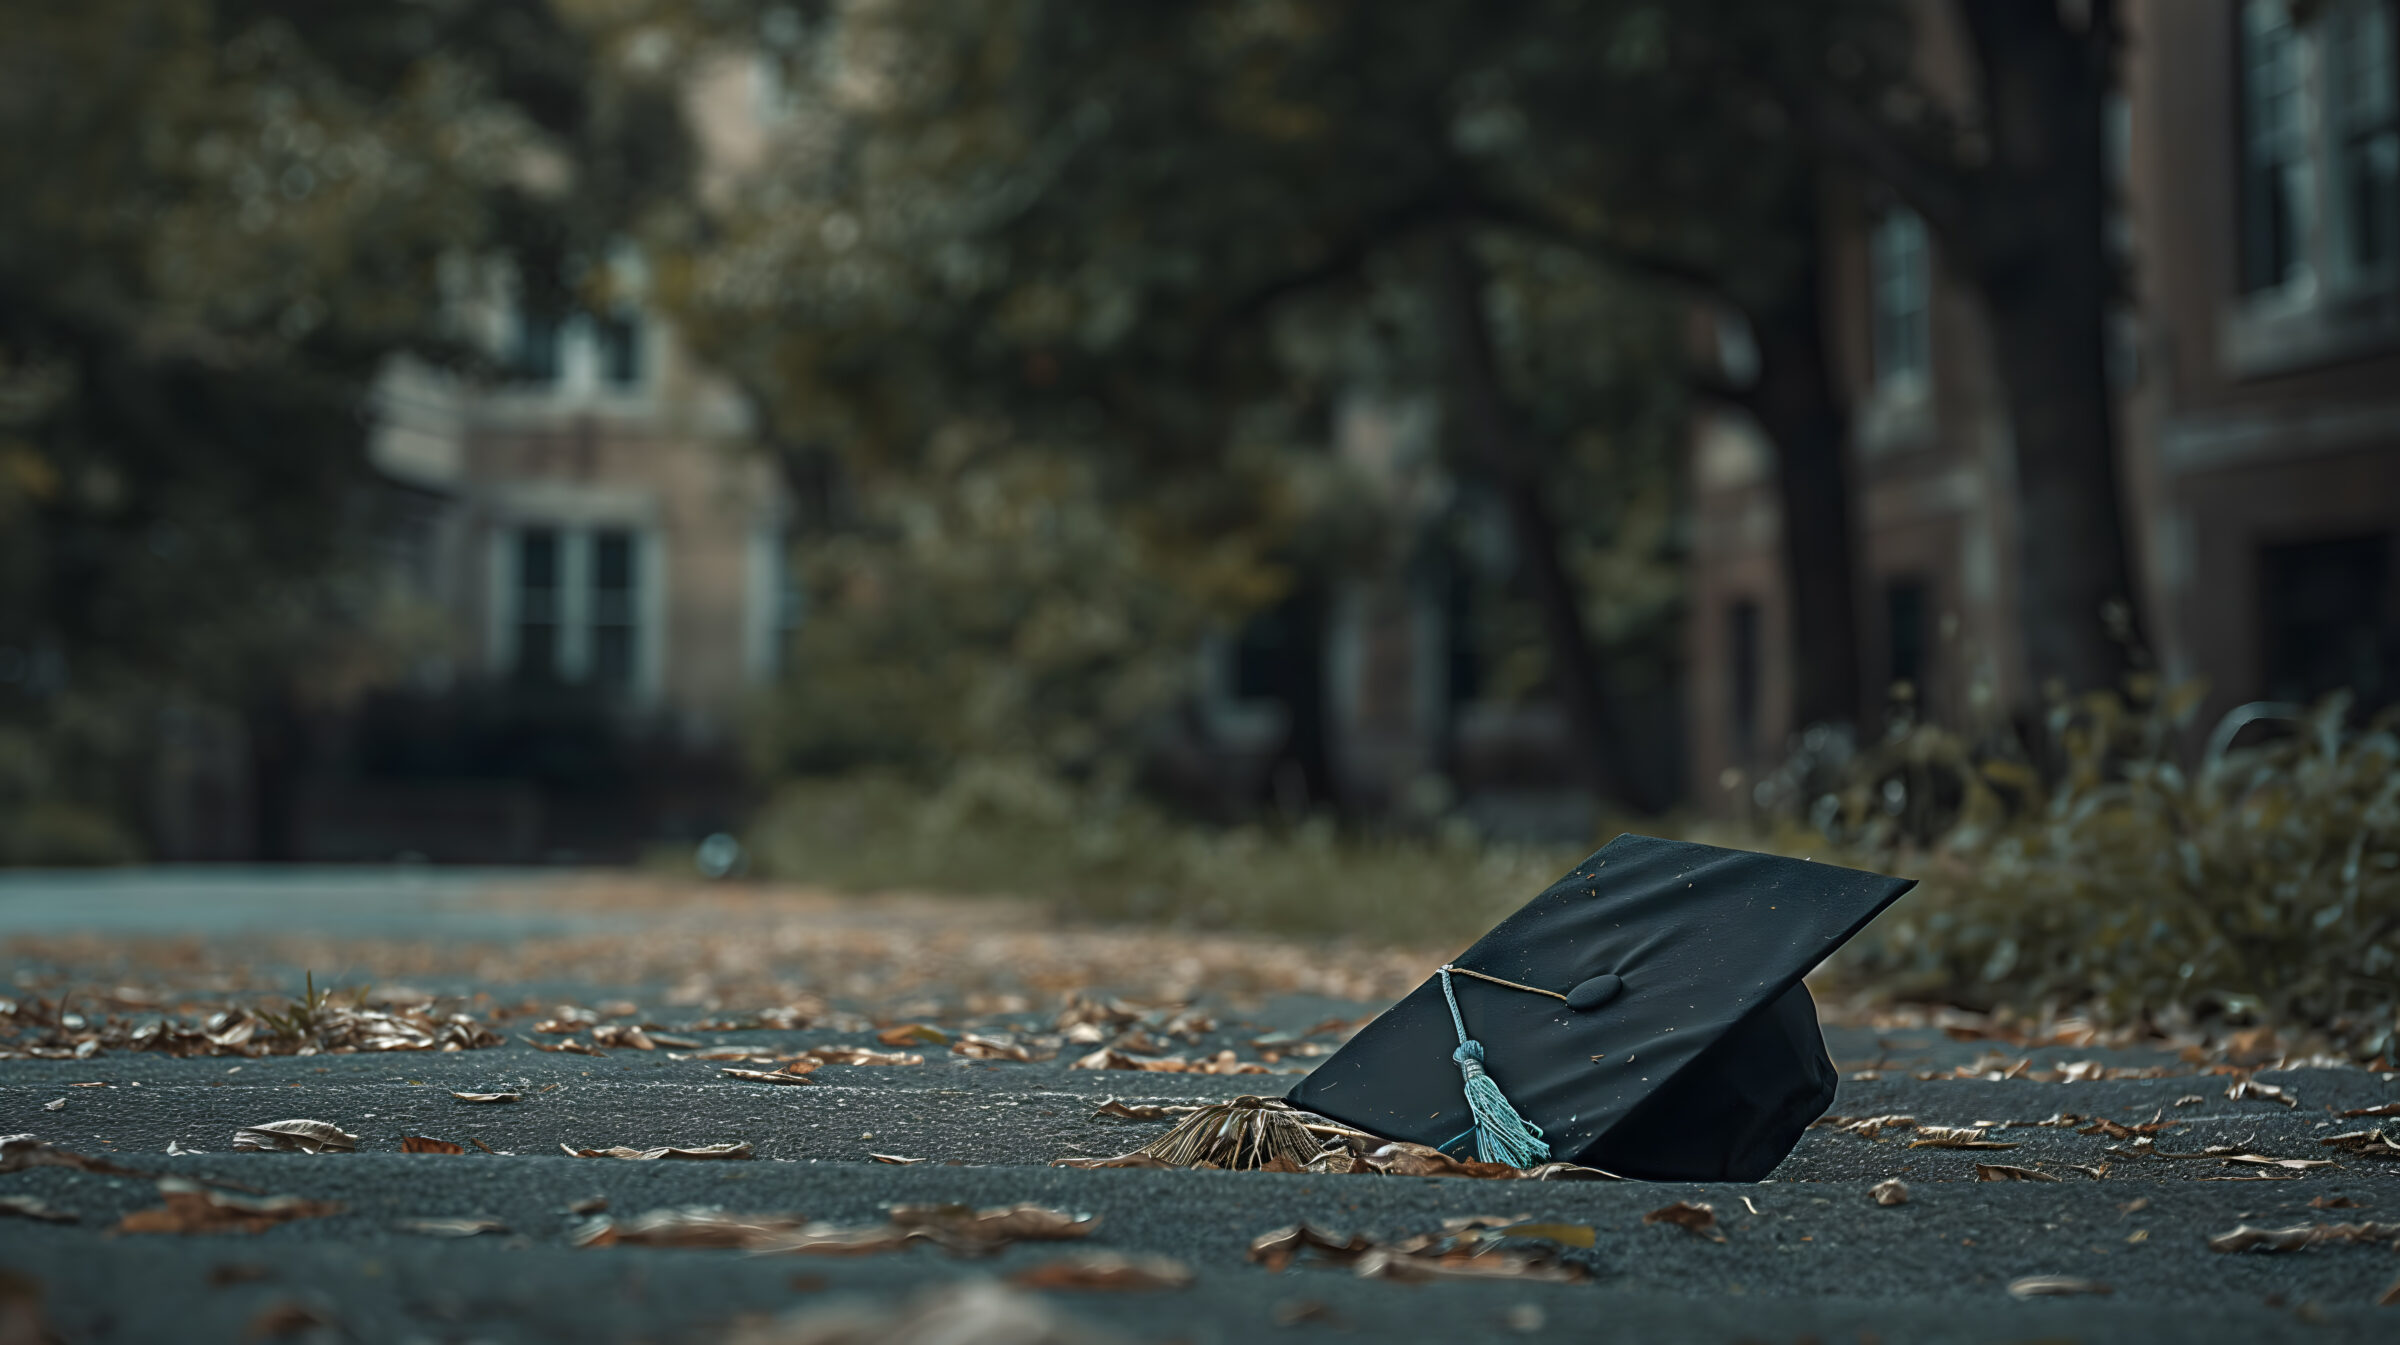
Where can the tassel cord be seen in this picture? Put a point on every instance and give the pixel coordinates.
(1501, 1135)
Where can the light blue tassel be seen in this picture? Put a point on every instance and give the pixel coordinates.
(1501, 1136)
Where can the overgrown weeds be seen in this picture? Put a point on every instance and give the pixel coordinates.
(2261, 882)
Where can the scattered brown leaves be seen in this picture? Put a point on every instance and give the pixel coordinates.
(1468, 1252)
(2005, 1172)
(961, 1230)
(193, 1208)
(738, 1149)
(296, 1136)
(2263, 1092)
(2364, 1144)
(1106, 1271)
(2246, 1238)
(1691, 1216)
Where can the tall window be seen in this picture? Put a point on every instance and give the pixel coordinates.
(1742, 676)
(620, 339)
(574, 607)
(2277, 185)
(533, 346)
(1900, 271)
(2363, 129)
(538, 606)
(614, 619)
(1909, 649)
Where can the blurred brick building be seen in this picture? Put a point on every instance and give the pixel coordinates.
(2256, 152)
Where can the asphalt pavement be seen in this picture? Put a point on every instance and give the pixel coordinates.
(1808, 1255)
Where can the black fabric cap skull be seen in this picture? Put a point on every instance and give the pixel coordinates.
(1674, 1042)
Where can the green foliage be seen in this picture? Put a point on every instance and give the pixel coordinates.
(222, 217)
(2263, 882)
(1010, 830)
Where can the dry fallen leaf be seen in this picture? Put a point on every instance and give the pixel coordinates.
(2380, 1109)
(961, 1230)
(2267, 1161)
(2040, 1286)
(60, 1105)
(913, 1034)
(895, 1160)
(489, 1097)
(860, 1055)
(1132, 1160)
(297, 1136)
(192, 1208)
(1867, 1127)
(31, 1207)
(695, 1226)
(2265, 1092)
(18, 1152)
(623, 1036)
(975, 1047)
(461, 1227)
(1456, 1253)
(2365, 1144)
(2004, 1172)
(1889, 1191)
(569, 1045)
(1689, 1215)
(2334, 1203)
(1113, 1271)
(2247, 1238)
(739, 1149)
(419, 1144)
(775, 1076)
(1956, 1137)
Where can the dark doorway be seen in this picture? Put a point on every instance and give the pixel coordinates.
(1742, 677)
(2328, 619)
(1908, 645)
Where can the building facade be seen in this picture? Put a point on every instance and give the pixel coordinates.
(2256, 156)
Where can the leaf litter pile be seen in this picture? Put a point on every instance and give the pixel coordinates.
(1253, 1134)
(1472, 1248)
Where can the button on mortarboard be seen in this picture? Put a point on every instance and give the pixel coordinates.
(1644, 1015)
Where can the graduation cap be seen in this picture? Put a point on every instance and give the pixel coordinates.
(1644, 1015)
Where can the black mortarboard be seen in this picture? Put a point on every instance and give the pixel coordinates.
(1644, 1015)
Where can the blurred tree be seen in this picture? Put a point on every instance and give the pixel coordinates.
(221, 218)
(1165, 239)
(2013, 180)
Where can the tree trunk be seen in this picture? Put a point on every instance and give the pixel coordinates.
(1797, 408)
(1485, 422)
(2037, 250)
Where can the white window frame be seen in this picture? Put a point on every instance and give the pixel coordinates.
(577, 548)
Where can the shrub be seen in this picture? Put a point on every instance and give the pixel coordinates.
(2263, 882)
